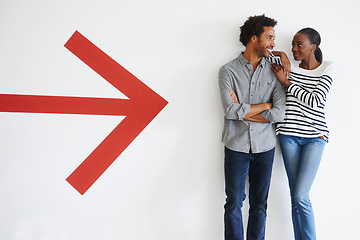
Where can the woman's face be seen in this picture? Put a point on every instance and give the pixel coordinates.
(302, 47)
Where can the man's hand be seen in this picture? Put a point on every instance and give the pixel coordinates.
(268, 106)
(233, 96)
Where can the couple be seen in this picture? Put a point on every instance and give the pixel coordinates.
(255, 95)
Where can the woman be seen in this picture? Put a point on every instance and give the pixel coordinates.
(303, 133)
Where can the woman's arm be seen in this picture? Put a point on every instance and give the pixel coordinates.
(314, 98)
(280, 74)
(284, 61)
(317, 97)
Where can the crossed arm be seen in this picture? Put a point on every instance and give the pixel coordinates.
(255, 110)
(262, 113)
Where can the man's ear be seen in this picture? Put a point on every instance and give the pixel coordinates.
(253, 38)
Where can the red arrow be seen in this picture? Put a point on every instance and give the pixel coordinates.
(141, 108)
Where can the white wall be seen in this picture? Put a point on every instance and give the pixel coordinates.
(168, 184)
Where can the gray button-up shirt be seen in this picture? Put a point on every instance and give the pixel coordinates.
(251, 88)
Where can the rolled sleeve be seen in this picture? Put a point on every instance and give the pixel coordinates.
(232, 111)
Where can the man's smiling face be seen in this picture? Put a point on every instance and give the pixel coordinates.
(266, 42)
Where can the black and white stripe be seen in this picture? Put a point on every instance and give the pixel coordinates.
(305, 102)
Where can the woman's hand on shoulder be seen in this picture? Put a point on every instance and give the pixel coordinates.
(284, 61)
(280, 74)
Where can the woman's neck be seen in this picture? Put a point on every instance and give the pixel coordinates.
(309, 64)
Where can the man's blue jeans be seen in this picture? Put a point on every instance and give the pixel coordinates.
(237, 166)
(301, 159)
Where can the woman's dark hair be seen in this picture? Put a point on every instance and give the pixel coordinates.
(314, 38)
(254, 26)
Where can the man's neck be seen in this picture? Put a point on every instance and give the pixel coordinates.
(252, 57)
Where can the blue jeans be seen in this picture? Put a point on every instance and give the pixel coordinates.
(301, 159)
(237, 166)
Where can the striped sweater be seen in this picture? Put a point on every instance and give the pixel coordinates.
(305, 102)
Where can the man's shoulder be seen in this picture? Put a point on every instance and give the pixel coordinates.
(235, 63)
(267, 62)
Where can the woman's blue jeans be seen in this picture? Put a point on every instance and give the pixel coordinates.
(237, 167)
(301, 159)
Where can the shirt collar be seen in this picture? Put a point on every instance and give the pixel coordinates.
(243, 60)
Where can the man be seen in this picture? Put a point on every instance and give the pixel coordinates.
(253, 100)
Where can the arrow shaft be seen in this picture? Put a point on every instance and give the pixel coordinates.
(64, 105)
